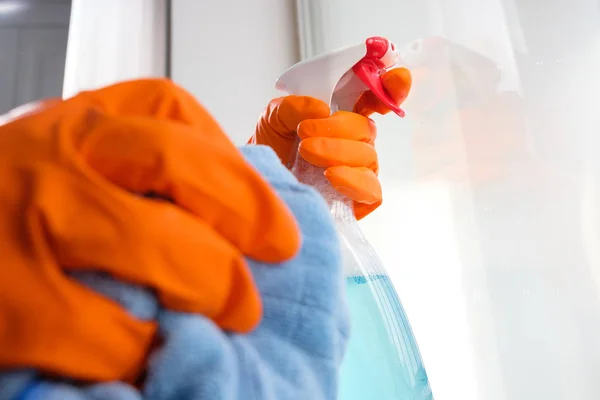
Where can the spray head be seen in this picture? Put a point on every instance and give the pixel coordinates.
(381, 55)
(338, 78)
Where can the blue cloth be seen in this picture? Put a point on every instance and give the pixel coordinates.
(295, 353)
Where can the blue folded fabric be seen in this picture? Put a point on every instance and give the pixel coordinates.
(295, 353)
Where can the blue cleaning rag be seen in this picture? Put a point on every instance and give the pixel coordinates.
(295, 353)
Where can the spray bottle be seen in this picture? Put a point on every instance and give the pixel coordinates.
(383, 361)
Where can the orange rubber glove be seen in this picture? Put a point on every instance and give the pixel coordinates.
(342, 143)
(71, 179)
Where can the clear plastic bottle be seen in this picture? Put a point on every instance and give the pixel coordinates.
(382, 361)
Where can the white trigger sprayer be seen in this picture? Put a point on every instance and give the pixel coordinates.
(338, 78)
(380, 326)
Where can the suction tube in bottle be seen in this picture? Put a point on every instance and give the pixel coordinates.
(383, 361)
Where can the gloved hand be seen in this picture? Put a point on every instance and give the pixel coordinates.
(71, 179)
(342, 143)
(295, 352)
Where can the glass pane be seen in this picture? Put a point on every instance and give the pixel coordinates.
(490, 228)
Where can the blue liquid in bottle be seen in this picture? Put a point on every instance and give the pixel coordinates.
(382, 361)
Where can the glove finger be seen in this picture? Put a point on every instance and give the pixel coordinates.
(361, 210)
(53, 315)
(357, 183)
(277, 125)
(154, 244)
(327, 152)
(397, 82)
(209, 179)
(342, 124)
(285, 113)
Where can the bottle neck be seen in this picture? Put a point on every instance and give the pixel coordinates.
(341, 207)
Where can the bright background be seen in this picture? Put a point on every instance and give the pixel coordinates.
(490, 228)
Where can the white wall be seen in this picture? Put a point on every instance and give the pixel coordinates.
(229, 53)
(114, 40)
